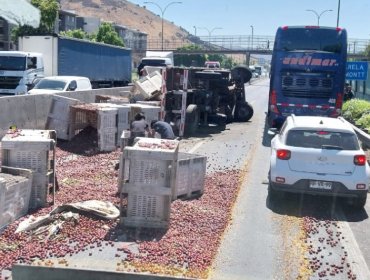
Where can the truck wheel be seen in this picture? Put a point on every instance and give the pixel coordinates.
(191, 119)
(243, 112)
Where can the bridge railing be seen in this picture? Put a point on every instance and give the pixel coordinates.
(238, 42)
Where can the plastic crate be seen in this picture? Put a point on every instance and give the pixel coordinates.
(107, 118)
(59, 108)
(107, 139)
(39, 191)
(60, 126)
(190, 175)
(15, 191)
(147, 211)
(148, 85)
(34, 150)
(151, 162)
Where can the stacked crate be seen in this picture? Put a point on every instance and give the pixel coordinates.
(107, 129)
(110, 120)
(190, 175)
(34, 150)
(15, 191)
(151, 166)
(59, 116)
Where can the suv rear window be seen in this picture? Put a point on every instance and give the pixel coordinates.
(322, 139)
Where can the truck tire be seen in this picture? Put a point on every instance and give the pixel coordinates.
(243, 112)
(191, 120)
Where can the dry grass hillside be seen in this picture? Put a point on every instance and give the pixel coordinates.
(128, 14)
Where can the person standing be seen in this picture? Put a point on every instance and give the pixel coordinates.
(138, 127)
(162, 128)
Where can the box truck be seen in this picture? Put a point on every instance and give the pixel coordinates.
(105, 65)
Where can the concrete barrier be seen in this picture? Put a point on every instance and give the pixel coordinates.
(31, 111)
(30, 272)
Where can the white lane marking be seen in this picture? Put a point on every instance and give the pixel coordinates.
(355, 257)
(197, 146)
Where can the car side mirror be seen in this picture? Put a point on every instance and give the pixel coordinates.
(273, 131)
(72, 86)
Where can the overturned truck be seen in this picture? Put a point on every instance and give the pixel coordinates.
(198, 97)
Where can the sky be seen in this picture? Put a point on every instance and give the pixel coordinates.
(235, 17)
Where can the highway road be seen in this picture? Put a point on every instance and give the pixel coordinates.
(297, 237)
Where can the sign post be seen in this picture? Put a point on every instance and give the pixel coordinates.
(357, 70)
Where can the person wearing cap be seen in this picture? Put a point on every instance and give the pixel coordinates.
(163, 129)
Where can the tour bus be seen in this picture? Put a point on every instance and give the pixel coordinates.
(307, 72)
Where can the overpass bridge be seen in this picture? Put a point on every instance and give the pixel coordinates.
(238, 44)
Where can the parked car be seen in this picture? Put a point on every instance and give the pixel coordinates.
(319, 156)
(55, 84)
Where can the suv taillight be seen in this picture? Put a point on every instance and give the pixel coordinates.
(283, 154)
(359, 160)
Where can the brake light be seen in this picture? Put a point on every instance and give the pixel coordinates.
(283, 154)
(311, 26)
(285, 27)
(359, 160)
(338, 29)
(273, 102)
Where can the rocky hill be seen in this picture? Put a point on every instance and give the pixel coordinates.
(125, 13)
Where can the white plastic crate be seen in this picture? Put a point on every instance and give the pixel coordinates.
(59, 108)
(34, 150)
(60, 126)
(148, 85)
(190, 175)
(39, 191)
(123, 119)
(29, 139)
(151, 163)
(107, 139)
(147, 210)
(15, 190)
(107, 118)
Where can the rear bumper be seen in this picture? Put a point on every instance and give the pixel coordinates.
(302, 186)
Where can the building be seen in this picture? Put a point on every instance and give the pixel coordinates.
(88, 24)
(67, 20)
(6, 43)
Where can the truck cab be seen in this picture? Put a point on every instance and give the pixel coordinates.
(18, 70)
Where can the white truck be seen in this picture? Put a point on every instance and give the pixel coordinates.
(154, 61)
(18, 70)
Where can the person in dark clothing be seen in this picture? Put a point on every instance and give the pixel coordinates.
(138, 127)
(348, 93)
(163, 128)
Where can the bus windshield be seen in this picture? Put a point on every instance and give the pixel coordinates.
(298, 39)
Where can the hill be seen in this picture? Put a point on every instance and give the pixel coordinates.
(125, 13)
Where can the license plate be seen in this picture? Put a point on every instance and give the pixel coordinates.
(320, 185)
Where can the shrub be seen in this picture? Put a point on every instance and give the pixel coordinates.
(354, 109)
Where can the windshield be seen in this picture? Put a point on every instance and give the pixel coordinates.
(315, 39)
(51, 84)
(15, 63)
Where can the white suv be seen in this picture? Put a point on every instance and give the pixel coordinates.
(321, 156)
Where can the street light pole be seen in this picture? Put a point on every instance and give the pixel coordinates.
(210, 33)
(252, 36)
(319, 15)
(162, 12)
(338, 13)
(195, 30)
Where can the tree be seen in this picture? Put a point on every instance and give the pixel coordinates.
(367, 51)
(106, 34)
(49, 12)
(76, 33)
(190, 59)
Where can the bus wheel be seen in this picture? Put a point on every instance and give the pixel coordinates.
(191, 119)
(243, 112)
